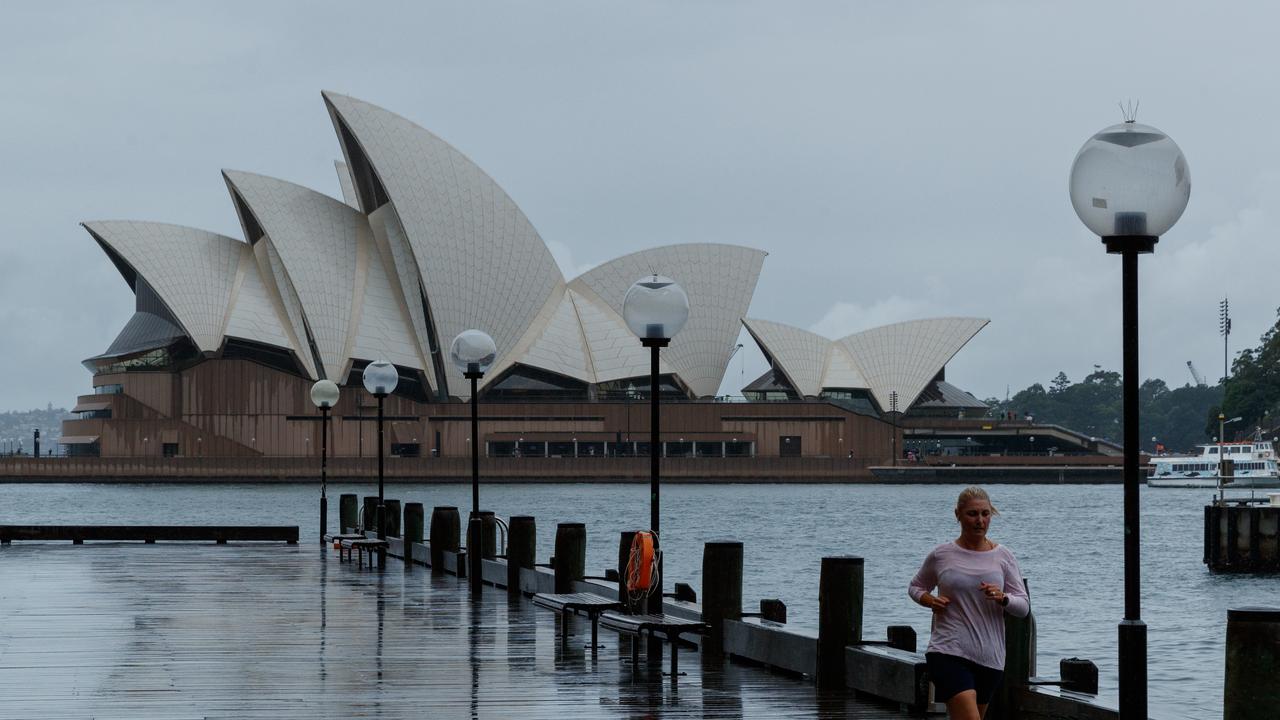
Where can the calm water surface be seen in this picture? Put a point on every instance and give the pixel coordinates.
(1068, 540)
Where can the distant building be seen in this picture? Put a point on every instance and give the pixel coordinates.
(228, 334)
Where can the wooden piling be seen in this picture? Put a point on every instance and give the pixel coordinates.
(571, 555)
(840, 586)
(488, 535)
(522, 550)
(721, 590)
(446, 534)
(413, 525)
(1019, 662)
(392, 513)
(369, 513)
(348, 511)
(1253, 663)
(1242, 536)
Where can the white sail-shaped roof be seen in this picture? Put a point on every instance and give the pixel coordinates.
(719, 280)
(253, 314)
(560, 346)
(281, 289)
(317, 239)
(347, 184)
(481, 262)
(382, 329)
(192, 270)
(616, 353)
(842, 372)
(904, 357)
(799, 354)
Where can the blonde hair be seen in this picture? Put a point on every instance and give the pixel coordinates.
(973, 492)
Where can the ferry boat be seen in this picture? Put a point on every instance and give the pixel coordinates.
(1255, 466)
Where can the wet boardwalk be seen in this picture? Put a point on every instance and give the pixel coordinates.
(194, 631)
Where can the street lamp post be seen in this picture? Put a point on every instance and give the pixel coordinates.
(655, 308)
(324, 395)
(1129, 185)
(472, 352)
(380, 378)
(1222, 439)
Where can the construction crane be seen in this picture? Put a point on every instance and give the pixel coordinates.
(1199, 380)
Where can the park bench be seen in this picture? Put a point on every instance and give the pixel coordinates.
(360, 547)
(663, 627)
(567, 604)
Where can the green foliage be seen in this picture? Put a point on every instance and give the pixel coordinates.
(1253, 391)
(1094, 406)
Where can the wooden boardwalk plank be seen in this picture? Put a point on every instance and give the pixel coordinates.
(241, 631)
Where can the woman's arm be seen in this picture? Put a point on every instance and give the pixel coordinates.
(926, 579)
(1014, 590)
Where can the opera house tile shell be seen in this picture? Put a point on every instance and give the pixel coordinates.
(423, 246)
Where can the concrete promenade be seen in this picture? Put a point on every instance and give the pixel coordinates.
(116, 630)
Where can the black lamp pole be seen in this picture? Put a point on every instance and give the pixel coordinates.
(1132, 631)
(381, 514)
(655, 457)
(324, 472)
(475, 530)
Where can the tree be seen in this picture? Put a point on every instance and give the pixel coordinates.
(1060, 383)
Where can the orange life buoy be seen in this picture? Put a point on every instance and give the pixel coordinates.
(640, 564)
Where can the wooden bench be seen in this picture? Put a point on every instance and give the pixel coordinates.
(664, 627)
(337, 538)
(360, 547)
(221, 534)
(567, 604)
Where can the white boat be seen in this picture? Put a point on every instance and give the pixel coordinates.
(1255, 466)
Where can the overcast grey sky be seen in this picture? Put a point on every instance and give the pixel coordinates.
(897, 160)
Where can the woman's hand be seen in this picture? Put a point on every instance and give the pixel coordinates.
(994, 593)
(936, 604)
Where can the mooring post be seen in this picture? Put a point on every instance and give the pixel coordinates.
(446, 533)
(721, 590)
(571, 555)
(839, 615)
(393, 517)
(413, 526)
(370, 514)
(1253, 662)
(488, 535)
(1019, 662)
(522, 547)
(625, 538)
(348, 512)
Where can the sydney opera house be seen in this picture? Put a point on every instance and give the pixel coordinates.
(230, 333)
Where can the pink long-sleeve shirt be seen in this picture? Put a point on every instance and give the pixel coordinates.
(972, 626)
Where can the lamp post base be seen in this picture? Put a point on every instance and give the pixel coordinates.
(475, 555)
(1133, 670)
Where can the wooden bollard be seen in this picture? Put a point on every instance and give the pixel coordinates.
(1019, 661)
(839, 615)
(348, 512)
(392, 514)
(488, 535)
(902, 637)
(369, 514)
(1078, 675)
(446, 535)
(624, 556)
(571, 555)
(773, 610)
(413, 518)
(1253, 660)
(721, 590)
(522, 550)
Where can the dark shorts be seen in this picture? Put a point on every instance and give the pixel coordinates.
(952, 675)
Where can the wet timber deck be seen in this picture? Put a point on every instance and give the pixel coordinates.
(126, 630)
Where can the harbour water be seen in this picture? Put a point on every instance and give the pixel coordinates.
(1068, 540)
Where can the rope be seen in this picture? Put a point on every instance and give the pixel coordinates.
(642, 567)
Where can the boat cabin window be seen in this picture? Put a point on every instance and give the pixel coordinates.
(1213, 451)
(1247, 449)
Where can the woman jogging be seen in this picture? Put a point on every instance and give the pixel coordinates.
(977, 582)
